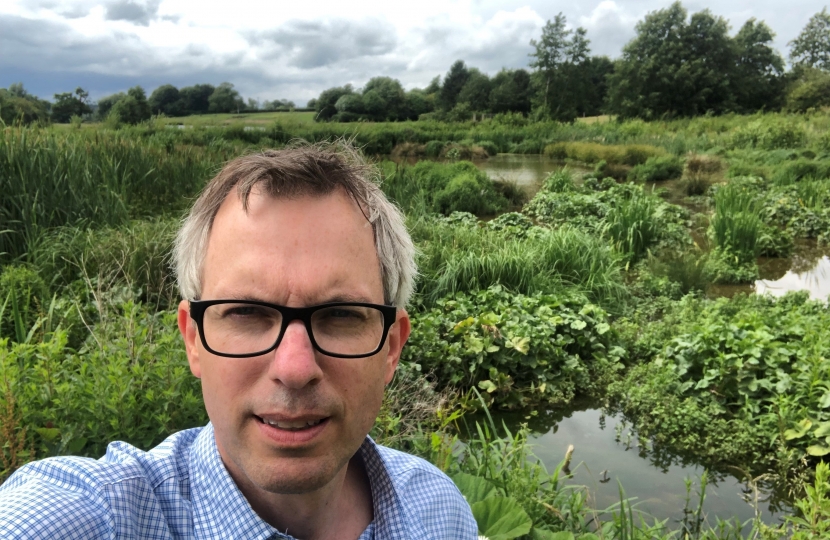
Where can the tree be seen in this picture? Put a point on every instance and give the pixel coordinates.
(225, 99)
(675, 68)
(758, 81)
(69, 104)
(166, 100)
(812, 46)
(556, 76)
(419, 102)
(476, 91)
(325, 105)
(19, 106)
(510, 92)
(385, 99)
(453, 83)
(105, 104)
(196, 98)
(811, 91)
(132, 108)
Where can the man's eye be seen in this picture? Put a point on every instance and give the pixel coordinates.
(244, 311)
(343, 313)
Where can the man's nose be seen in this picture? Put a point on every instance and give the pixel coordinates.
(294, 363)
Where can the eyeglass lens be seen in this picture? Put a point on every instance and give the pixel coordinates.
(241, 328)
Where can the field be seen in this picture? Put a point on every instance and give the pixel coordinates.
(246, 119)
(600, 285)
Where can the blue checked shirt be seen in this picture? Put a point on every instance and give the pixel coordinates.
(181, 489)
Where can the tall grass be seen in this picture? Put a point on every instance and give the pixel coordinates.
(737, 226)
(459, 259)
(52, 178)
(632, 225)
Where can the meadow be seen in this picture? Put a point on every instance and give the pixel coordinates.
(599, 285)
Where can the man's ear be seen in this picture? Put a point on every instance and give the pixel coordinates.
(187, 327)
(396, 339)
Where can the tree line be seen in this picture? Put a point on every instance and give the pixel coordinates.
(130, 107)
(676, 65)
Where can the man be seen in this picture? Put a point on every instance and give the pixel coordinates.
(296, 271)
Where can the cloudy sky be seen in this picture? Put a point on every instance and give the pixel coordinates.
(275, 49)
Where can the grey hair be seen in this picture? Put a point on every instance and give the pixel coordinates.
(301, 169)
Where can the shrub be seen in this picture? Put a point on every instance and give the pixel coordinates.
(489, 147)
(657, 169)
(468, 193)
(518, 349)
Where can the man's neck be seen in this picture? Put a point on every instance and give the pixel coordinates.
(340, 510)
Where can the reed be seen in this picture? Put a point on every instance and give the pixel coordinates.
(632, 226)
(736, 225)
(52, 178)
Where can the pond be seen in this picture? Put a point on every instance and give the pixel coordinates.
(606, 452)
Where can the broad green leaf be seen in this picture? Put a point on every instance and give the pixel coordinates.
(824, 402)
(802, 428)
(50, 434)
(501, 518)
(818, 450)
(822, 430)
(76, 445)
(488, 386)
(588, 536)
(474, 488)
(578, 325)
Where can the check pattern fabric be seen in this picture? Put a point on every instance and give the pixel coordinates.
(182, 490)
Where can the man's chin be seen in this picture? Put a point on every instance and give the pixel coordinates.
(293, 476)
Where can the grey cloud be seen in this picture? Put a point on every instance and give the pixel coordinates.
(134, 11)
(314, 44)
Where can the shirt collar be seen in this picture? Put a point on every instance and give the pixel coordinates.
(220, 507)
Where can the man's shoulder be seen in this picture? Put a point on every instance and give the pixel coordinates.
(74, 497)
(428, 495)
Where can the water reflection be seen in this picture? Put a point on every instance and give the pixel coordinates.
(815, 280)
(606, 451)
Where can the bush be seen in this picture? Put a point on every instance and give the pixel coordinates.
(434, 148)
(657, 169)
(468, 193)
(520, 350)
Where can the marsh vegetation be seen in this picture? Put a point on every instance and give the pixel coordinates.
(600, 284)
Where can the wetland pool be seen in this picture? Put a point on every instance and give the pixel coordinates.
(606, 452)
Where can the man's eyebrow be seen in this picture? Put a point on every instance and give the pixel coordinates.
(340, 297)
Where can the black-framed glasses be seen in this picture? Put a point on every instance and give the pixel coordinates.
(245, 328)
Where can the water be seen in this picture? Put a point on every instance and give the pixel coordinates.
(605, 452)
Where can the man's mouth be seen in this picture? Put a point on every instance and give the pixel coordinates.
(292, 425)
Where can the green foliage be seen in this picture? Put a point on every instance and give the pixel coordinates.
(745, 369)
(130, 381)
(23, 298)
(686, 66)
(444, 188)
(812, 46)
(589, 152)
(633, 226)
(812, 91)
(736, 225)
(519, 349)
(17, 106)
(50, 179)
(814, 509)
(657, 169)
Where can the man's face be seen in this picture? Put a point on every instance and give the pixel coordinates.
(291, 252)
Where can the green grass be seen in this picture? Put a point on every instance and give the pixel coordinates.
(246, 119)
